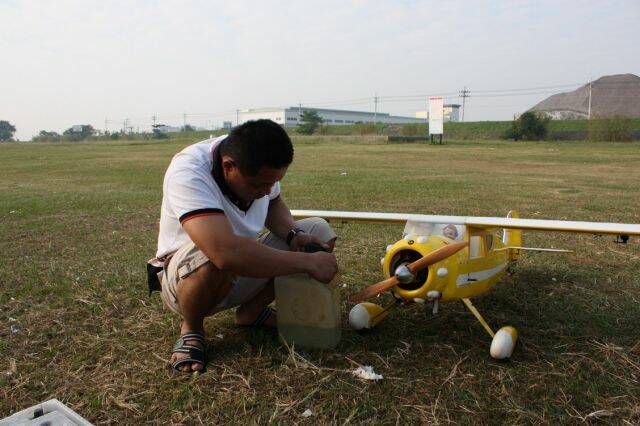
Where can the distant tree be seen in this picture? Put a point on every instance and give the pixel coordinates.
(45, 136)
(6, 131)
(74, 135)
(530, 126)
(310, 121)
(188, 128)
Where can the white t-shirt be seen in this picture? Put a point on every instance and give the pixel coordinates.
(193, 187)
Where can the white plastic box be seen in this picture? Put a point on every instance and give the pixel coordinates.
(49, 413)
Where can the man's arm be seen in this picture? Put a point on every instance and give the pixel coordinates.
(243, 256)
(279, 219)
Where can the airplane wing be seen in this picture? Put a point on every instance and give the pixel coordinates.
(479, 222)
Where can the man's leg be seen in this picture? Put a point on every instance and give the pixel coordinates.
(247, 313)
(249, 310)
(197, 294)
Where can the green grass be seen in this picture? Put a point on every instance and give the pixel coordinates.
(79, 221)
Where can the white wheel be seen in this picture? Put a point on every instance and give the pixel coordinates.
(503, 343)
(366, 315)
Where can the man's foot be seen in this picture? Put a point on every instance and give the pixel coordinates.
(189, 354)
(266, 316)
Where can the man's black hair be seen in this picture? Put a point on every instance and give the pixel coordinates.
(258, 143)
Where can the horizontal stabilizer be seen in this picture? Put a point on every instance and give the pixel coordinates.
(535, 249)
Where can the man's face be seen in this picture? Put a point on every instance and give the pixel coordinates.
(249, 188)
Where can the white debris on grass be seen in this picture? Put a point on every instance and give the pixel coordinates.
(14, 329)
(343, 173)
(366, 372)
(220, 336)
(12, 319)
(307, 413)
(13, 212)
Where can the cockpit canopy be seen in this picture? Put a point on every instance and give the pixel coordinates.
(452, 231)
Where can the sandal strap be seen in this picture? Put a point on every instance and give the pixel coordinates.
(187, 349)
(193, 336)
(182, 343)
(266, 312)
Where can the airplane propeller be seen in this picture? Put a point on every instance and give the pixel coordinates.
(425, 261)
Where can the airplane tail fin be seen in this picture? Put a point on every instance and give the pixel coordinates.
(513, 237)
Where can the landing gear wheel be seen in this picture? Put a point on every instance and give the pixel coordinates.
(366, 315)
(503, 343)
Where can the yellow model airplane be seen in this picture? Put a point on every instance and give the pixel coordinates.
(443, 259)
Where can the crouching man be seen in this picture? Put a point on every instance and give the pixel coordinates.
(218, 195)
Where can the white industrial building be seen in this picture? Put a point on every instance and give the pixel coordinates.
(289, 117)
(450, 112)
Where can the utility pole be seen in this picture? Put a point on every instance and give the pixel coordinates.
(184, 121)
(464, 93)
(589, 110)
(154, 119)
(124, 125)
(106, 125)
(375, 113)
(237, 116)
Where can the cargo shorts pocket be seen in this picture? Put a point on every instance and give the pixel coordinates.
(191, 264)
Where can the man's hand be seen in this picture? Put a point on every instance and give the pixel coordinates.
(322, 266)
(302, 239)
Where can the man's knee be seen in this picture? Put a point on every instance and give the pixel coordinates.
(317, 226)
(207, 278)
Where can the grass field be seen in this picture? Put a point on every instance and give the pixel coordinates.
(79, 221)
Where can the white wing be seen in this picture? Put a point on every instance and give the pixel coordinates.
(479, 222)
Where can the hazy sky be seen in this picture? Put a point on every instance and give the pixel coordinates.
(68, 62)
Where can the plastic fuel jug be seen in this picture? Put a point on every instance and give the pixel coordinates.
(308, 311)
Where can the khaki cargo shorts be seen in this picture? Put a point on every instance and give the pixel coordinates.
(188, 258)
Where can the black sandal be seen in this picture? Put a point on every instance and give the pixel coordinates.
(196, 354)
(262, 318)
(265, 314)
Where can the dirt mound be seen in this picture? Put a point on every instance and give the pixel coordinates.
(611, 94)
